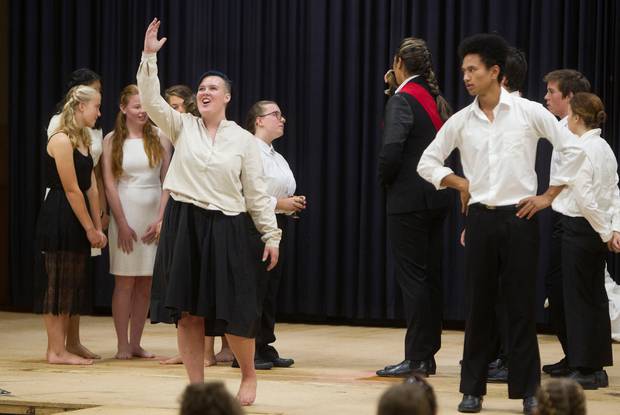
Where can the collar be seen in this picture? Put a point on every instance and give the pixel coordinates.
(595, 132)
(266, 148)
(405, 83)
(564, 122)
(505, 99)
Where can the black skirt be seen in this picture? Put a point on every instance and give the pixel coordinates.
(203, 267)
(61, 259)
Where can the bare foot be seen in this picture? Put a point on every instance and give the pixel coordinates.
(210, 362)
(82, 351)
(176, 360)
(140, 352)
(66, 358)
(123, 353)
(225, 355)
(247, 391)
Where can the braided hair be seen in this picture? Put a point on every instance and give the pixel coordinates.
(417, 59)
(68, 125)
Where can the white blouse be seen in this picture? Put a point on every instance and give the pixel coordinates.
(592, 184)
(277, 173)
(224, 173)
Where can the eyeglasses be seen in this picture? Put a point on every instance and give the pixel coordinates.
(279, 116)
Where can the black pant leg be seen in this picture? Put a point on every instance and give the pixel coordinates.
(481, 282)
(587, 318)
(268, 297)
(416, 246)
(518, 270)
(554, 284)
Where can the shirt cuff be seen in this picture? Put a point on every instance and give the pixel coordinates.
(149, 56)
(606, 236)
(439, 174)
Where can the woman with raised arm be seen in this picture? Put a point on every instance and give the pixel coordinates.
(66, 228)
(135, 160)
(214, 180)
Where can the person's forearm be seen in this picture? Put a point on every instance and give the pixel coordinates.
(116, 207)
(553, 191)
(95, 211)
(78, 205)
(455, 182)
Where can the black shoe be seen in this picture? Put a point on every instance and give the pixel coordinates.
(470, 404)
(557, 369)
(587, 382)
(401, 369)
(259, 364)
(496, 364)
(498, 375)
(281, 362)
(529, 405)
(601, 378)
(432, 366)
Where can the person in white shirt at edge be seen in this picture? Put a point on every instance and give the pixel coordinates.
(266, 121)
(86, 77)
(590, 209)
(215, 180)
(136, 156)
(562, 84)
(497, 137)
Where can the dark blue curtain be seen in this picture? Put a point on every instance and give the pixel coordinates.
(323, 62)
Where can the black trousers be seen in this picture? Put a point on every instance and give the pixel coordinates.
(554, 282)
(416, 240)
(588, 327)
(501, 255)
(268, 284)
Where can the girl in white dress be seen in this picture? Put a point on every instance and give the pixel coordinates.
(135, 160)
(86, 77)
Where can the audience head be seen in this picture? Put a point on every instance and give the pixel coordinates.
(515, 70)
(413, 57)
(80, 110)
(562, 84)
(413, 397)
(561, 396)
(586, 112)
(483, 58)
(132, 113)
(208, 399)
(182, 99)
(265, 120)
(214, 94)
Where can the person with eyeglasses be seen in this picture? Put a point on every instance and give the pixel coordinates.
(215, 180)
(266, 122)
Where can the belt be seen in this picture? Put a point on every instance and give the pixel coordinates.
(510, 208)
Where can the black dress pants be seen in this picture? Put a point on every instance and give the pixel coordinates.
(554, 283)
(501, 254)
(268, 284)
(416, 240)
(588, 327)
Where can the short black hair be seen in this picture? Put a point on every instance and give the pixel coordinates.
(82, 76)
(219, 74)
(492, 49)
(516, 68)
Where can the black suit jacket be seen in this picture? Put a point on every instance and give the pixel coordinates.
(410, 124)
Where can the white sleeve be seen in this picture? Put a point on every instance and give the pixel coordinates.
(431, 165)
(582, 187)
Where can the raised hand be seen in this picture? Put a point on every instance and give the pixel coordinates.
(151, 43)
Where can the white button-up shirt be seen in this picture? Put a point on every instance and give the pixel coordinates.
(498, 157)
(224, 173)
(592, 184)
(556, 159)
(277, 174)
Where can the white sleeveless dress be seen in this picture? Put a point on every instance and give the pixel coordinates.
(139, 190)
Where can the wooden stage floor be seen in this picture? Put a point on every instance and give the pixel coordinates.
(333, 372)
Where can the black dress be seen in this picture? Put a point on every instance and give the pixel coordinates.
(62, 245)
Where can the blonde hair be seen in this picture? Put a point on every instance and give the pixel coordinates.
(152, 145)
(80, 94)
